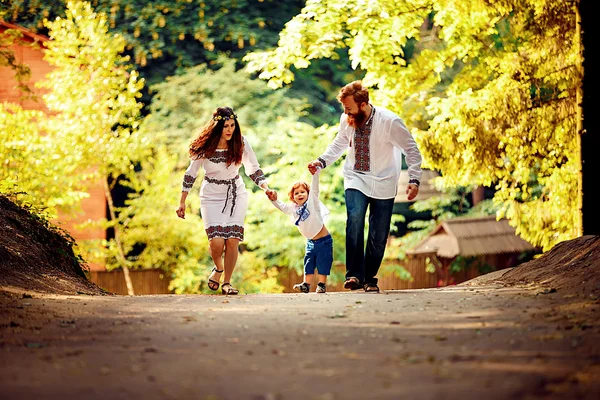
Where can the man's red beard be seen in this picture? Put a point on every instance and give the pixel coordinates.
(358, 119)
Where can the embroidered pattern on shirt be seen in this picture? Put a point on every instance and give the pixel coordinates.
(226, 232)
(188, 181)
(362, 154)
(258, 177)
(302, 213)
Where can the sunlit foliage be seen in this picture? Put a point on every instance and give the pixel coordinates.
(489, 85)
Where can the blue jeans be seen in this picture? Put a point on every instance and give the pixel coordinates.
(319, 255)
(360, 262)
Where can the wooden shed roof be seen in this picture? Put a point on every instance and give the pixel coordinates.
(469, 237)
(26, 32)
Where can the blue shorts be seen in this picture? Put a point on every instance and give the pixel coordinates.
(319, 255)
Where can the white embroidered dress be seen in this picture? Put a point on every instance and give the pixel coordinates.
(311, 215)
(223, 196)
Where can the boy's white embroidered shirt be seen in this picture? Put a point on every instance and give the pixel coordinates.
(312, 221)
(389, 139)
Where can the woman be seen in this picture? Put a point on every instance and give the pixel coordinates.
(221, 149)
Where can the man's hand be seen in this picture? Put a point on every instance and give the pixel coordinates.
(271, 194)
(412, 191)
(313, 166)
(181, 211)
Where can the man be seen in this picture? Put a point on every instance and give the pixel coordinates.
(375, 139)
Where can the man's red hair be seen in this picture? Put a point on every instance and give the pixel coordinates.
(359, 93)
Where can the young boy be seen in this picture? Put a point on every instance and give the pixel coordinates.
(308, 213)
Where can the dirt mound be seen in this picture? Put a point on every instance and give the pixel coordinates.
(36, 256)
(570, 267)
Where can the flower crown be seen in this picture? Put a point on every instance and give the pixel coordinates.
(224, 117)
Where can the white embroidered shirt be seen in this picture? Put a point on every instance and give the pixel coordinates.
(374, 159)
(311, 215)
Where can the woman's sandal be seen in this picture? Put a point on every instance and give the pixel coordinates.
(213, 285)
(230, 290)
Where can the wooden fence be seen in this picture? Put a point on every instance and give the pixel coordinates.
(148, 281)
(416, 266)
(420, 278)
(156, 282)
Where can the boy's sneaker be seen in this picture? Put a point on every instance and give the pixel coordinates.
(302, 287)
(321, 288)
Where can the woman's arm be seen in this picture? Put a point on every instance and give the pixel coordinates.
(181, 210)
(252, 167)
(188, 182)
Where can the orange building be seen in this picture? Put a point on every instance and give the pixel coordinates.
(94, 208)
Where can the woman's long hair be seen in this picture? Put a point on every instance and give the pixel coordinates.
(206, 142)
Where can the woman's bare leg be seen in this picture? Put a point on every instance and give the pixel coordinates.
(231, 256)
(217, 248)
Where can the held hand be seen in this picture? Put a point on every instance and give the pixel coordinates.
(181, 211)
(271, 194)
(412, 191)
(313, 166)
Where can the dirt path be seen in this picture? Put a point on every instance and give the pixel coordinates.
(461, 342)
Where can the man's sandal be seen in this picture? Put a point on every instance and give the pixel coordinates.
(352, 283)
(213, 285)
(230, 289)
(371, 287)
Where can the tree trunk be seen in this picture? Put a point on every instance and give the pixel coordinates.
(478, 195)
(121, 254)
(588, 132)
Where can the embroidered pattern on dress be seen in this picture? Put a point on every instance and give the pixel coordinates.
(226, 232)
(188, 181)
(231, 183)
(218, 158)
(258, 177)
(362, 156)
